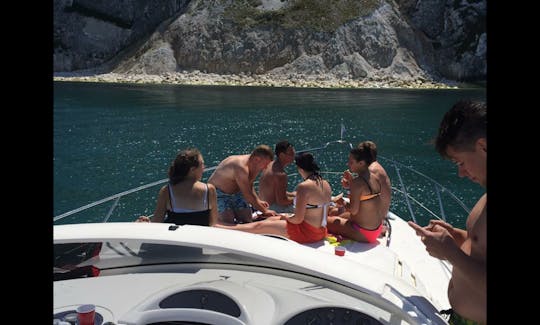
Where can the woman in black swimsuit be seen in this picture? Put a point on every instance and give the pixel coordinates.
(185, 199)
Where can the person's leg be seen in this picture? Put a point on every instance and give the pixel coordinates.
(273, 218)
(226, 217)
(273, 226)
(343, 227)
(244, 215)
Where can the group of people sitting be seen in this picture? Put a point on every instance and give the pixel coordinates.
(229, 199)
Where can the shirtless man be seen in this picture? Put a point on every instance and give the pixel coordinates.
(274, 180)
(233, 179)
(369, 198)
(462, 139)
(308, 223)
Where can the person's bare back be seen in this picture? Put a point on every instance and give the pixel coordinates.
(368, 213)
(225, 176)
(386, 185)
(233, 178)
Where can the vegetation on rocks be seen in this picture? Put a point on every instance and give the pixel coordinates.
(320, 15)
(297, 43)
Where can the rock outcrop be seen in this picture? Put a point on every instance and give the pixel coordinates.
(363, 40)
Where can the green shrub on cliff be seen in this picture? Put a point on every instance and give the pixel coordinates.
(322, 15)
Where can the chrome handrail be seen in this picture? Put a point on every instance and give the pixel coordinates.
(117, 196)
(404, 191)
(397, 165)
(434, 182)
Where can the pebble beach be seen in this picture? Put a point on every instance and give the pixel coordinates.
(200, 78)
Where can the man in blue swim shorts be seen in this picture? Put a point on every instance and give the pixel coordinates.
(233, 202)
(233, 179)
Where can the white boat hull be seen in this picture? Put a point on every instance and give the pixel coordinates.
(371, 281)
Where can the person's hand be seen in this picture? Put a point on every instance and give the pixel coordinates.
(264, 204)
(269, 213)
(338, 199)
(436, 238)
(434, 222)
(143, 219)
(346, 179)
(285, 216)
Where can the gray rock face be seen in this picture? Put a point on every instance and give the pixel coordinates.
(403, 40)
(457, 32)
(88, 33)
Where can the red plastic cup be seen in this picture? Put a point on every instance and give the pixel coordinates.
(86, 314)
(340, 250)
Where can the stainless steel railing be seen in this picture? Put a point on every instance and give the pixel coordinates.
(400, 190)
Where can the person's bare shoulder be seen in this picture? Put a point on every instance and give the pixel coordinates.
(302, 187)
(230, 162)
(281, 175)
(358, 182)
(231, 159)
(211, 188)
(358, 186)
(241, 162)
(163, 189)
(240, 168)
(235, 160)
(327, 184)
(477, 211)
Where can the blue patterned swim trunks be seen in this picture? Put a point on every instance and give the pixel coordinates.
(230, 201)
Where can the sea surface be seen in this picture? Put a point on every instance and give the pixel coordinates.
(109, 138)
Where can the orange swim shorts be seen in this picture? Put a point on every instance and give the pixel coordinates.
(305, 233)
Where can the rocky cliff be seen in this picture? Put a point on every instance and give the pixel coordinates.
(356, 39)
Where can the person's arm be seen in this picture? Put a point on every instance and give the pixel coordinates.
(346, 179)
(248, 191)
(300, 208)
(459, 235)
(354, 205)
(212, 198)
(440, 244)
(280, 190)
(161, 207)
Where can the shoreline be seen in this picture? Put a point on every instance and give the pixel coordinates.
(197, 78)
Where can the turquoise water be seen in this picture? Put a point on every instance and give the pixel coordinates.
(110, 138)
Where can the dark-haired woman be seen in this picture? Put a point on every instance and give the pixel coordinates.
(369, 198)
(185, 199)
(313, 199)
